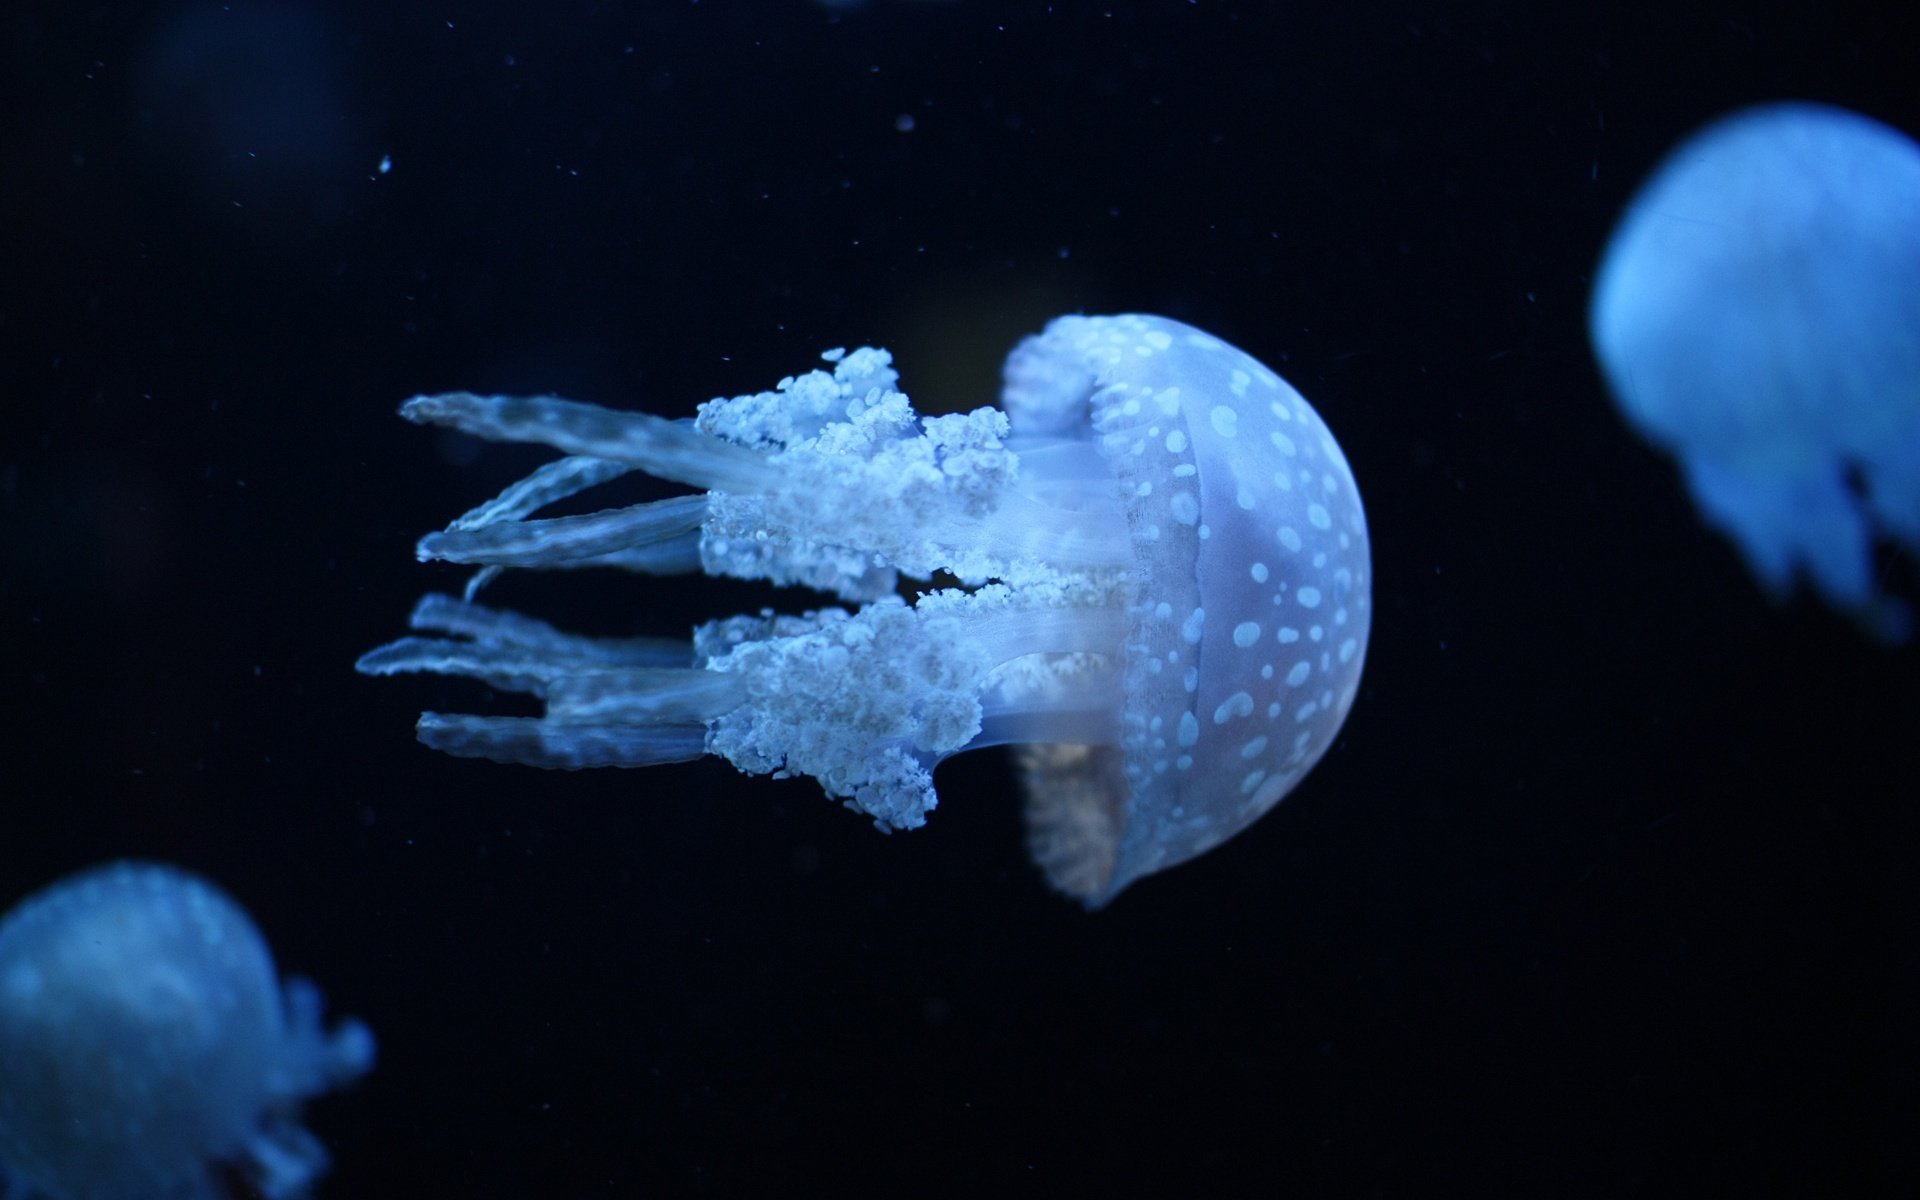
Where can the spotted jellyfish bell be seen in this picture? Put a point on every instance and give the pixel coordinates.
(148, 1050)
(1165, 593)
(1757, 314)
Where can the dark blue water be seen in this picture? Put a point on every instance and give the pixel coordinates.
(1604, 890)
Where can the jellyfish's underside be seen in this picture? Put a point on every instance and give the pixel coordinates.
(1757, 314)
(1164, 600)
(148, 1050)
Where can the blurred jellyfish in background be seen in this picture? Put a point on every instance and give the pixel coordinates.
(1166, 590)
(1757, 314)
(149, 1052)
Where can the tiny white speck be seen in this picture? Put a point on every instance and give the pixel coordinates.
(1286, 635)
(1307, 597)
(1246, 633)
(1347, 648)
(1298, 675)
(1226, 422)
(1254, 747)
(1289, 538)
(1176, 441)
(1258, 571)
(1318, 516)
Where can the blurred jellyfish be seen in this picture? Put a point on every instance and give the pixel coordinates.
(1757, 313)
(149, 1052)
(1166, 590)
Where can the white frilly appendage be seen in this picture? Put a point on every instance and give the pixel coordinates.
(830, 481)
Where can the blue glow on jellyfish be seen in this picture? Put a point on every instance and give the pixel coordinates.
(1165, 591)
(149, 1052)
(1757, 314)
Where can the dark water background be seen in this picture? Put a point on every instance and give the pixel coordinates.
(1606, 888)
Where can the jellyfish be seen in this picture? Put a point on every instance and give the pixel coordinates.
(1161, 590)
(1757, 314)
(149, 1052)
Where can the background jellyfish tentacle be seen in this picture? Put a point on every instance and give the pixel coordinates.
(1164, 590)
(1757, 314)
(147, 1048)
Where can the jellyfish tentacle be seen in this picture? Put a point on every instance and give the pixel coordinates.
(548, 484)
(437, 612)
(648, 694)
(666, 448)
(319, 1059)
(660, 538)
(508, 668)
(541, 742)
(608, 702)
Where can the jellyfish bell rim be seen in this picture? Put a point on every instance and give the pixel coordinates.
(1102, 817)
